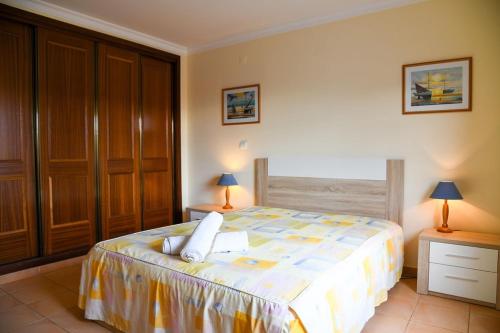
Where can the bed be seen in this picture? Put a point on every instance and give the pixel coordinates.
(323, 253)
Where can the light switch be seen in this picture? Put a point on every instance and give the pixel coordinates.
(243, 60)
(244, 144)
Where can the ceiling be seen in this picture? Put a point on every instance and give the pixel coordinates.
(202, 24)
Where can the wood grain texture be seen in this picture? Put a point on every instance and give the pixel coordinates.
(395, 191)
(423, 267)
(17, 179)
(68, 50)
(66, 113)
(261, 181)
(374, 198)
(156, 162)
(207, 208)
(119, 142)
(484, 240)
(342, 196)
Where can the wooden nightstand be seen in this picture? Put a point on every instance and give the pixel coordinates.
(460, 265)
(197, 212)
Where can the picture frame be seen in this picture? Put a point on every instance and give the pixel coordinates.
(437, 86)
(241, 105)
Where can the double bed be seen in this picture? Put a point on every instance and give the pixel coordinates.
(308, 269)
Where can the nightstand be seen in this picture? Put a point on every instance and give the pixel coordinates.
(197, 212)
(460, 265)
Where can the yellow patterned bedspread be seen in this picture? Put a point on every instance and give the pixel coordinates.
(314, 272)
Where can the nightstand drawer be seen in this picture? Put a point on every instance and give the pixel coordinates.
(463, 282)
(463, 256)
(195, 215)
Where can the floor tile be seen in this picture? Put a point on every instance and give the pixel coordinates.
(72, 320)
(7, 302)
(444, 302)
(49, 295)
(63, 273)
(483, 310)
(20, 284)
(402, 307)
(410, 283)
(39, 291)
(19, 275)
(17, 317)
(108, 327)
(440, 316)
(405, 289)
(55, 266)
(480, 323)
(44, 326)
(69, 277)
(415, 327)
(387, 324)
(58, 301)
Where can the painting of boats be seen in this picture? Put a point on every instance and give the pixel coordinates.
(240, 105)
(437, 86)
(434, 87)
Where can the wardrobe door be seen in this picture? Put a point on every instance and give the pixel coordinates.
(156, 103)
(17, 181)
(66, 111)
(119, 142)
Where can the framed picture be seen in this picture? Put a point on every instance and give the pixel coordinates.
(241, 105)
(437, 86)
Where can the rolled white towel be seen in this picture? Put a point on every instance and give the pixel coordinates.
(235, 241)
(200, 242)
(174, 244)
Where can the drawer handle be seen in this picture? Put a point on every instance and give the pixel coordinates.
(461, 257)
(460, 278)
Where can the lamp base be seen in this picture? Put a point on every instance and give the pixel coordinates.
(227, 206)
(444, 229)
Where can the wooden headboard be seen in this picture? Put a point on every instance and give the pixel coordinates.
(378, 198)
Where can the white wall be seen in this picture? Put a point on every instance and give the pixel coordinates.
(335, 90)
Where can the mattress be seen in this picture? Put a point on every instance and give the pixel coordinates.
(304, 271)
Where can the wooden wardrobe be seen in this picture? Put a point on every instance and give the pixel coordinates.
(89, 139)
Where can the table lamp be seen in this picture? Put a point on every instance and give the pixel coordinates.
(448, 191)
(227, 179)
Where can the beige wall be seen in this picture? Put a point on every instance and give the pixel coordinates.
(336, 89)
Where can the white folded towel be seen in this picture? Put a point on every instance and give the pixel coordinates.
(235, 241)
(200, 242)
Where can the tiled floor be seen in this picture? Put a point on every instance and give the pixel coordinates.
(48, 304)
(406, 311)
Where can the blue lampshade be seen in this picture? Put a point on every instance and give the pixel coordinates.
(446, 190)
(227, 179)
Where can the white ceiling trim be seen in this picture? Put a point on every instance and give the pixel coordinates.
(72, 17)
(302, 24)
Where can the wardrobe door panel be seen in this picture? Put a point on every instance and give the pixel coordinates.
(66, 113)
(17, 181)
(119, 141)
(156, 99)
